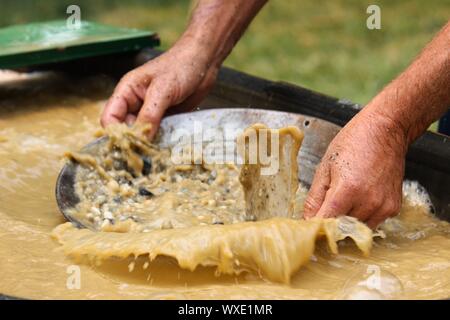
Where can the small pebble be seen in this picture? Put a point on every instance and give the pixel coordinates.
(167, 225)
(147, 167)
(144, 192)
(108, 215)
(105, 223)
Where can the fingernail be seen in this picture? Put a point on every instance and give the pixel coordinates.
(130, 120)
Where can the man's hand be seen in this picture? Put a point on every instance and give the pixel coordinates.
(179, 78)
(361, 173)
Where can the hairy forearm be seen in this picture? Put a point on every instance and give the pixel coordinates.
(421, 94)
(216, 26)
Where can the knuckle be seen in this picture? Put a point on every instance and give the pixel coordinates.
(373, 202)
(133, 77)
(311, 205)
(123, 87)
(396, 207)
(393, 207)
(150, 115)
(128, 77)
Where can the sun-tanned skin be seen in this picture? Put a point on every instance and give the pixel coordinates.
(362, 171)
(181, 77)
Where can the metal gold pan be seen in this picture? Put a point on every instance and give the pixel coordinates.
(318, 134)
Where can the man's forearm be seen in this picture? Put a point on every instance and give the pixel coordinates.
(216, 25)
(421, 94)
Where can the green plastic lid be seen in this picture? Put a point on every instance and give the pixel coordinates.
(50, 42)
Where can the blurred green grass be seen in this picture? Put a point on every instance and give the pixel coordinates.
(322, 45)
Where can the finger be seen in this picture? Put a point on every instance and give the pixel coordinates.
(126, 98)
(317, 192)
(338, 202)
(115, 111)
(156, 102)
(376, 219)
(364, 211)
(387, 210)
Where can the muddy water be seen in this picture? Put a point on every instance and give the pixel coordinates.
(38, 123)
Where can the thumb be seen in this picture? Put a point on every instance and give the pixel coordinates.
(155, 104)
(317, 192)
